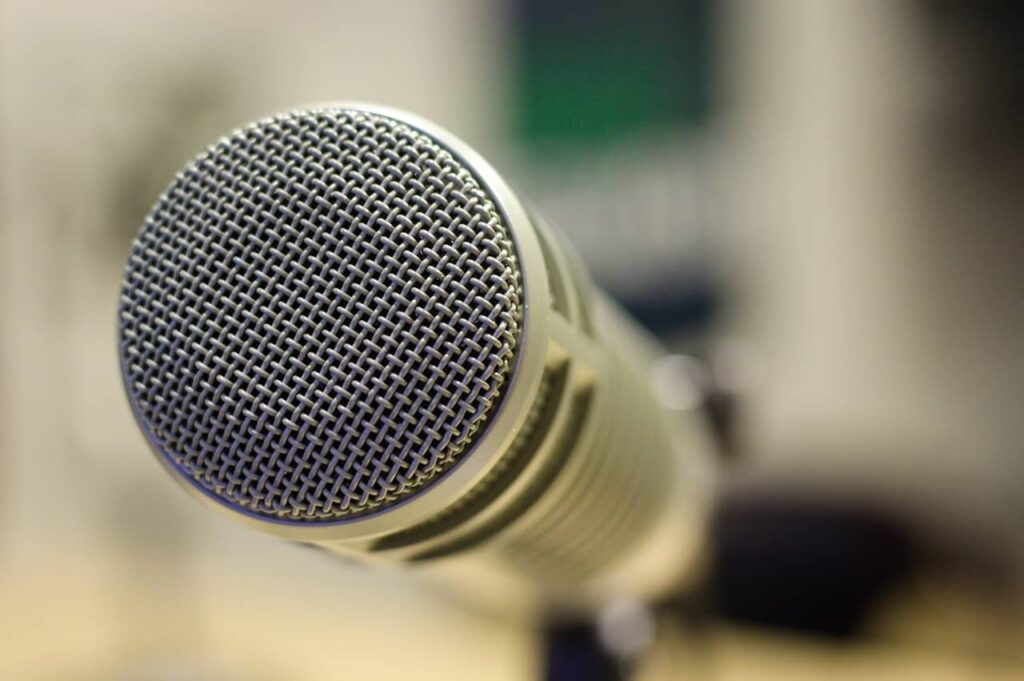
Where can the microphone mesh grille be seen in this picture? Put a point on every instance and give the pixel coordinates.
(319, 314)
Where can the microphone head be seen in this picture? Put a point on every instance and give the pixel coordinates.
(320, 316)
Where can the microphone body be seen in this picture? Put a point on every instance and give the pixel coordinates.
(341, 326)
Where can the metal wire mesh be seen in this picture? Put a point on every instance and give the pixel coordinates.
(319, 314)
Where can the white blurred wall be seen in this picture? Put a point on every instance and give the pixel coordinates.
(876, 262)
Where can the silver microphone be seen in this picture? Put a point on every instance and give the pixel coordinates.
(339, 325)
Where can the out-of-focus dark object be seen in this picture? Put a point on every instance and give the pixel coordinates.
(982, 44)
(572, 651)
(811, 565)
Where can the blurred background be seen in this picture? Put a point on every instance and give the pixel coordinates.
(820, 201)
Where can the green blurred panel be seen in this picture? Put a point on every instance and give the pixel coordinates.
(592, 73)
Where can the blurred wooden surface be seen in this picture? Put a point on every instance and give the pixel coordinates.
(90, 619)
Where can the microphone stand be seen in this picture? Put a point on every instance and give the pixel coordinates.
(611, 646)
